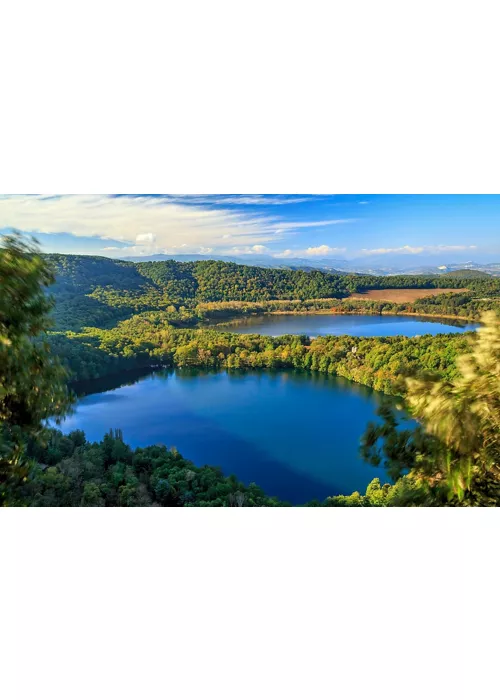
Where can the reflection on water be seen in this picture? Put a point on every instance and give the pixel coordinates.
(313, 325)
(293, 433)
(112, 381)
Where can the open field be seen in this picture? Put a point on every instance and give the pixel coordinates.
(400, 296)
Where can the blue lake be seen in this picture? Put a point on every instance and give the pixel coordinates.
(293, 433)
(330, 324)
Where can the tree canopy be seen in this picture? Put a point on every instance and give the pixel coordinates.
(453, 455)
(32, 386)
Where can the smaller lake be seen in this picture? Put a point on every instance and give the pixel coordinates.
(314, 325)
(294, 434)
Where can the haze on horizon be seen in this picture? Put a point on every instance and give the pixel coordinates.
(372, 230)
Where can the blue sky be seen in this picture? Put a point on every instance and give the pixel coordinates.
(382, 228)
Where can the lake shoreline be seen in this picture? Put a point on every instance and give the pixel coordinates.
(128, 377)
(385, 382)
(334, 312)
(154, 410)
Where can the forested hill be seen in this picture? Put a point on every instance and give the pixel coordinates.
(99, 292)
(203, 281)
(470, 274)
(212, 280)
(84, 273)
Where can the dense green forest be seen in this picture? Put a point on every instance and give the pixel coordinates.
(69, 471)
(468, 274)
(211, 280)
(147, 340)
(99, 292)
(113, 316)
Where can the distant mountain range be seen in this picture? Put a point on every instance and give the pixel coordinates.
(360, 266)
(256, 260)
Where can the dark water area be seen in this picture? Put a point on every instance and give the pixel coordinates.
(314, 325)
(295, 434)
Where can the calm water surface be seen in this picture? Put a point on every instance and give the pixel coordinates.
(323, 324)
(295, 434)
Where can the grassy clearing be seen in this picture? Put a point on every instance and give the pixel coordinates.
(402, 296)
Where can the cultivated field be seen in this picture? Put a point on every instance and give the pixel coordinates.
(400, 296)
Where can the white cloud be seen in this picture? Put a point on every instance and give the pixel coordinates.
(242, 199)
(145, 238)
(184, 249)
(249, 250)
(414, 250)
(384, 251)
(153, 224)
(321, 250)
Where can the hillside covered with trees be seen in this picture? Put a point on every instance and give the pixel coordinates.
(99, 292)
(148, 340)
(449, 384)
(112, 316)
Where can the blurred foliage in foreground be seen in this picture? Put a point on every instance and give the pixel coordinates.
(32, 381)
(453, 456)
